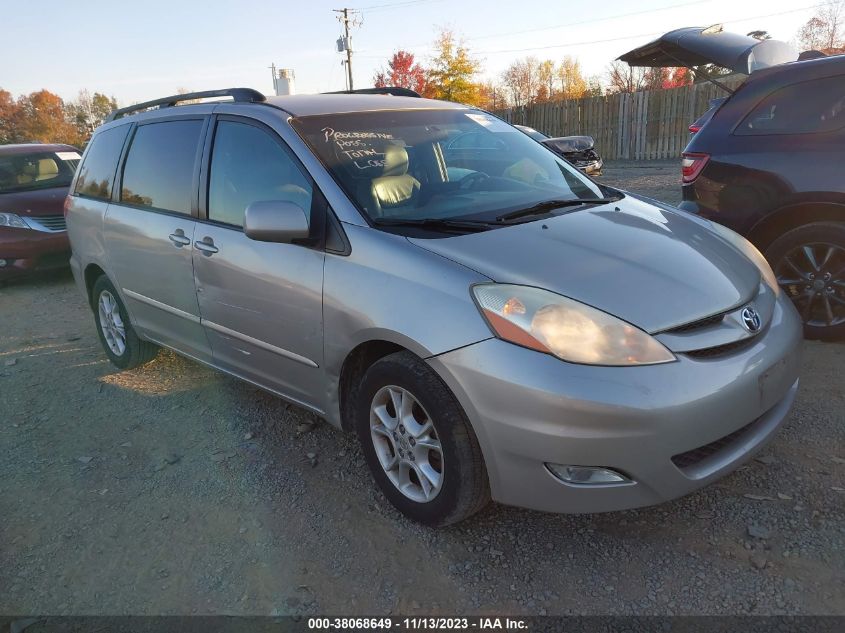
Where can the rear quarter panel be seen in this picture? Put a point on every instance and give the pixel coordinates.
(85, 232)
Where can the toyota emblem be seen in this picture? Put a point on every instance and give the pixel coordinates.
(750, 319)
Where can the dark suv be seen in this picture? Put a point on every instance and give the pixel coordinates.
(768, 163)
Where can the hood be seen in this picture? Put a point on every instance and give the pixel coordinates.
(651, 266)
(570, 143)
(694, 46)
(34, 203)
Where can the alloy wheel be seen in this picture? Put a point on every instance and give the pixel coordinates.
(111, 323)
(813, 276)
(406, 443)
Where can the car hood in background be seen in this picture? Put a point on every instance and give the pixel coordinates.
(650, 266)
(694, 46)
(34, 203)
(570, 143)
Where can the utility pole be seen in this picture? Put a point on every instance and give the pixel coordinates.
(348, 18)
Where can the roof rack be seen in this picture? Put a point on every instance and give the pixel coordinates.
(396, 91)
(241, 95)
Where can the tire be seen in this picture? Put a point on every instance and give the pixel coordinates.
(814, 282)
(464, 488)
(134, 352)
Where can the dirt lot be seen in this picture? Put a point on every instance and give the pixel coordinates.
(175, 490)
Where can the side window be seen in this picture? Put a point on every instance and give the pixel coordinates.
(97, 172)
(248, 165)
(804, 108)
(159, 170)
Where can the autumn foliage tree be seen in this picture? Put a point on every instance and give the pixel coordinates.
(41, 117)
(825, 31)
(453, 69)
(402, 71)
(44, 117)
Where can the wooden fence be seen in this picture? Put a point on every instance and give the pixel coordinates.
(647, 125)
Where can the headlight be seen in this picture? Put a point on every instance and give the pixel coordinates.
(750, 251)
(572, 331)
(12, 220)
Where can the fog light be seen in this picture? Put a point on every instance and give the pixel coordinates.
(587, 475)
(3, 263)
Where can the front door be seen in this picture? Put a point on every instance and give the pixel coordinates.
(260, 302)
(150, 232)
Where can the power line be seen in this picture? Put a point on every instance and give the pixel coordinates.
(628, 37)
(604, 19)
(395, 5)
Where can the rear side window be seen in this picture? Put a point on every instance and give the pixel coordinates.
(97, 172)
(809, 107)
(248, 165)
(159, 170)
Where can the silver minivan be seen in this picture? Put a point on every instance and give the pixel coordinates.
(489, 321)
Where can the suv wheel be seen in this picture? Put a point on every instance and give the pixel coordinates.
(120, 342)
(418, 442)
(809, 262)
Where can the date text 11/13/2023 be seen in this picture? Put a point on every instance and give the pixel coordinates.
(418, 624)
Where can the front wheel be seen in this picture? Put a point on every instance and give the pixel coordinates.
(121, 343)
(809, 263)
(418, 442)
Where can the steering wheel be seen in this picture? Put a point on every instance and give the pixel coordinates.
(470, 181)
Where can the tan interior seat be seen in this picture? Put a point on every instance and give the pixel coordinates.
(395, 187)
(47, 169)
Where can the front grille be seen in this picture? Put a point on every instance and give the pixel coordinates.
(48, 222)
(697, 455)
(697, 325)
(721, 350)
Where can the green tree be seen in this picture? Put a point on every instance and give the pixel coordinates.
(453, 70)
(89, 111)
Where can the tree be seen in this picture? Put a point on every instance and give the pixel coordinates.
(9, 115)
(42, 117)
(88, 112)
(572, 82)
(677, 77)
(490, 96)
(522, 81)
(402, 72)
(546, 72)
(594, 87)
(624, 78)
(452, 71)
(825, 30)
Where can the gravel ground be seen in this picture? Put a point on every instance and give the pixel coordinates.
(658, 179)
(172, 489)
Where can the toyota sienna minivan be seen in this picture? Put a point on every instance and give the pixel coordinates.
(491, 324)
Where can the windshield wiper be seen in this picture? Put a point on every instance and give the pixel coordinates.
(435, 223)
(550, 205)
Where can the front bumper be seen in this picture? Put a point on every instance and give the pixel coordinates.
(26, 251)
(592, 168)
(529, 408)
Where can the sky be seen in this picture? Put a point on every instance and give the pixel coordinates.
(144, 50)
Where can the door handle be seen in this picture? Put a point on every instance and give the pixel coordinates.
(206, 245)
(178, 238)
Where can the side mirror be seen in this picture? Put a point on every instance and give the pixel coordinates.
(275, 221)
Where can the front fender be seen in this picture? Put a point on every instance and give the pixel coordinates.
(387, 289)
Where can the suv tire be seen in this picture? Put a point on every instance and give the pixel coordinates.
(818, 277)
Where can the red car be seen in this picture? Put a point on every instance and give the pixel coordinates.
(34, 180)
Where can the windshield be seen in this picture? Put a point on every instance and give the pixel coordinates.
(38, 170)
(440, 164)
